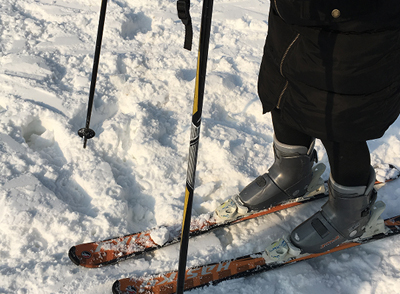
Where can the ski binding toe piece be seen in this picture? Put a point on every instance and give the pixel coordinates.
(231, 209)
(281, 250)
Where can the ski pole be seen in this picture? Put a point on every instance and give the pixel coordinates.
(205, 30)
(87, 133)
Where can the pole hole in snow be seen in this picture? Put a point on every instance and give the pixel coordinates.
(186, 74)
(135, 23)
(37, 136)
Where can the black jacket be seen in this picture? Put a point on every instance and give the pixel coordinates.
(332, 67)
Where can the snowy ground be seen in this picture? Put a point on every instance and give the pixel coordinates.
(54, 193)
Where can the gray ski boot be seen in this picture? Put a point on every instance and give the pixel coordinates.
(291, 176)
(344, 217)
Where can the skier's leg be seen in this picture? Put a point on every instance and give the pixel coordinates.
(349, 161)
(287, 135)
(291, 172)
(348, 209)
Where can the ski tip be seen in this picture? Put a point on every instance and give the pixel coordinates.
(116, 288)
(72, 256)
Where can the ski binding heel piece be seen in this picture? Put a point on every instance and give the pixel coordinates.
(231, 208)
(281, 250)
(316, 185)
(375, 225)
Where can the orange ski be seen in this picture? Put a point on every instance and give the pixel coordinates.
(110, 251)
(230, 269)
(97, 254)
(101, 253)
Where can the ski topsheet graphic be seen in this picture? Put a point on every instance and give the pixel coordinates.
(231, 269)
(101, 253)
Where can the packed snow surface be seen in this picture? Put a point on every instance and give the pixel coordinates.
(131, 177)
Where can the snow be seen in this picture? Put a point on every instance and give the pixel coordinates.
(131, 177)
(160, 235)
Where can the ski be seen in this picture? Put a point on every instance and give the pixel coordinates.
(215, 273)
(111, 251)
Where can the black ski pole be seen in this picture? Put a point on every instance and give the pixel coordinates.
(194, 139)
(87, 133)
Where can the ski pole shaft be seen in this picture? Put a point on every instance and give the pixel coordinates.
(87, 133)
(205, 30)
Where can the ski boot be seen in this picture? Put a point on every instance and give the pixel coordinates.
(349, 214)
(290, 177)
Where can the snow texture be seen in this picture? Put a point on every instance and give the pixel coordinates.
(131, 177)
(160, 235)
